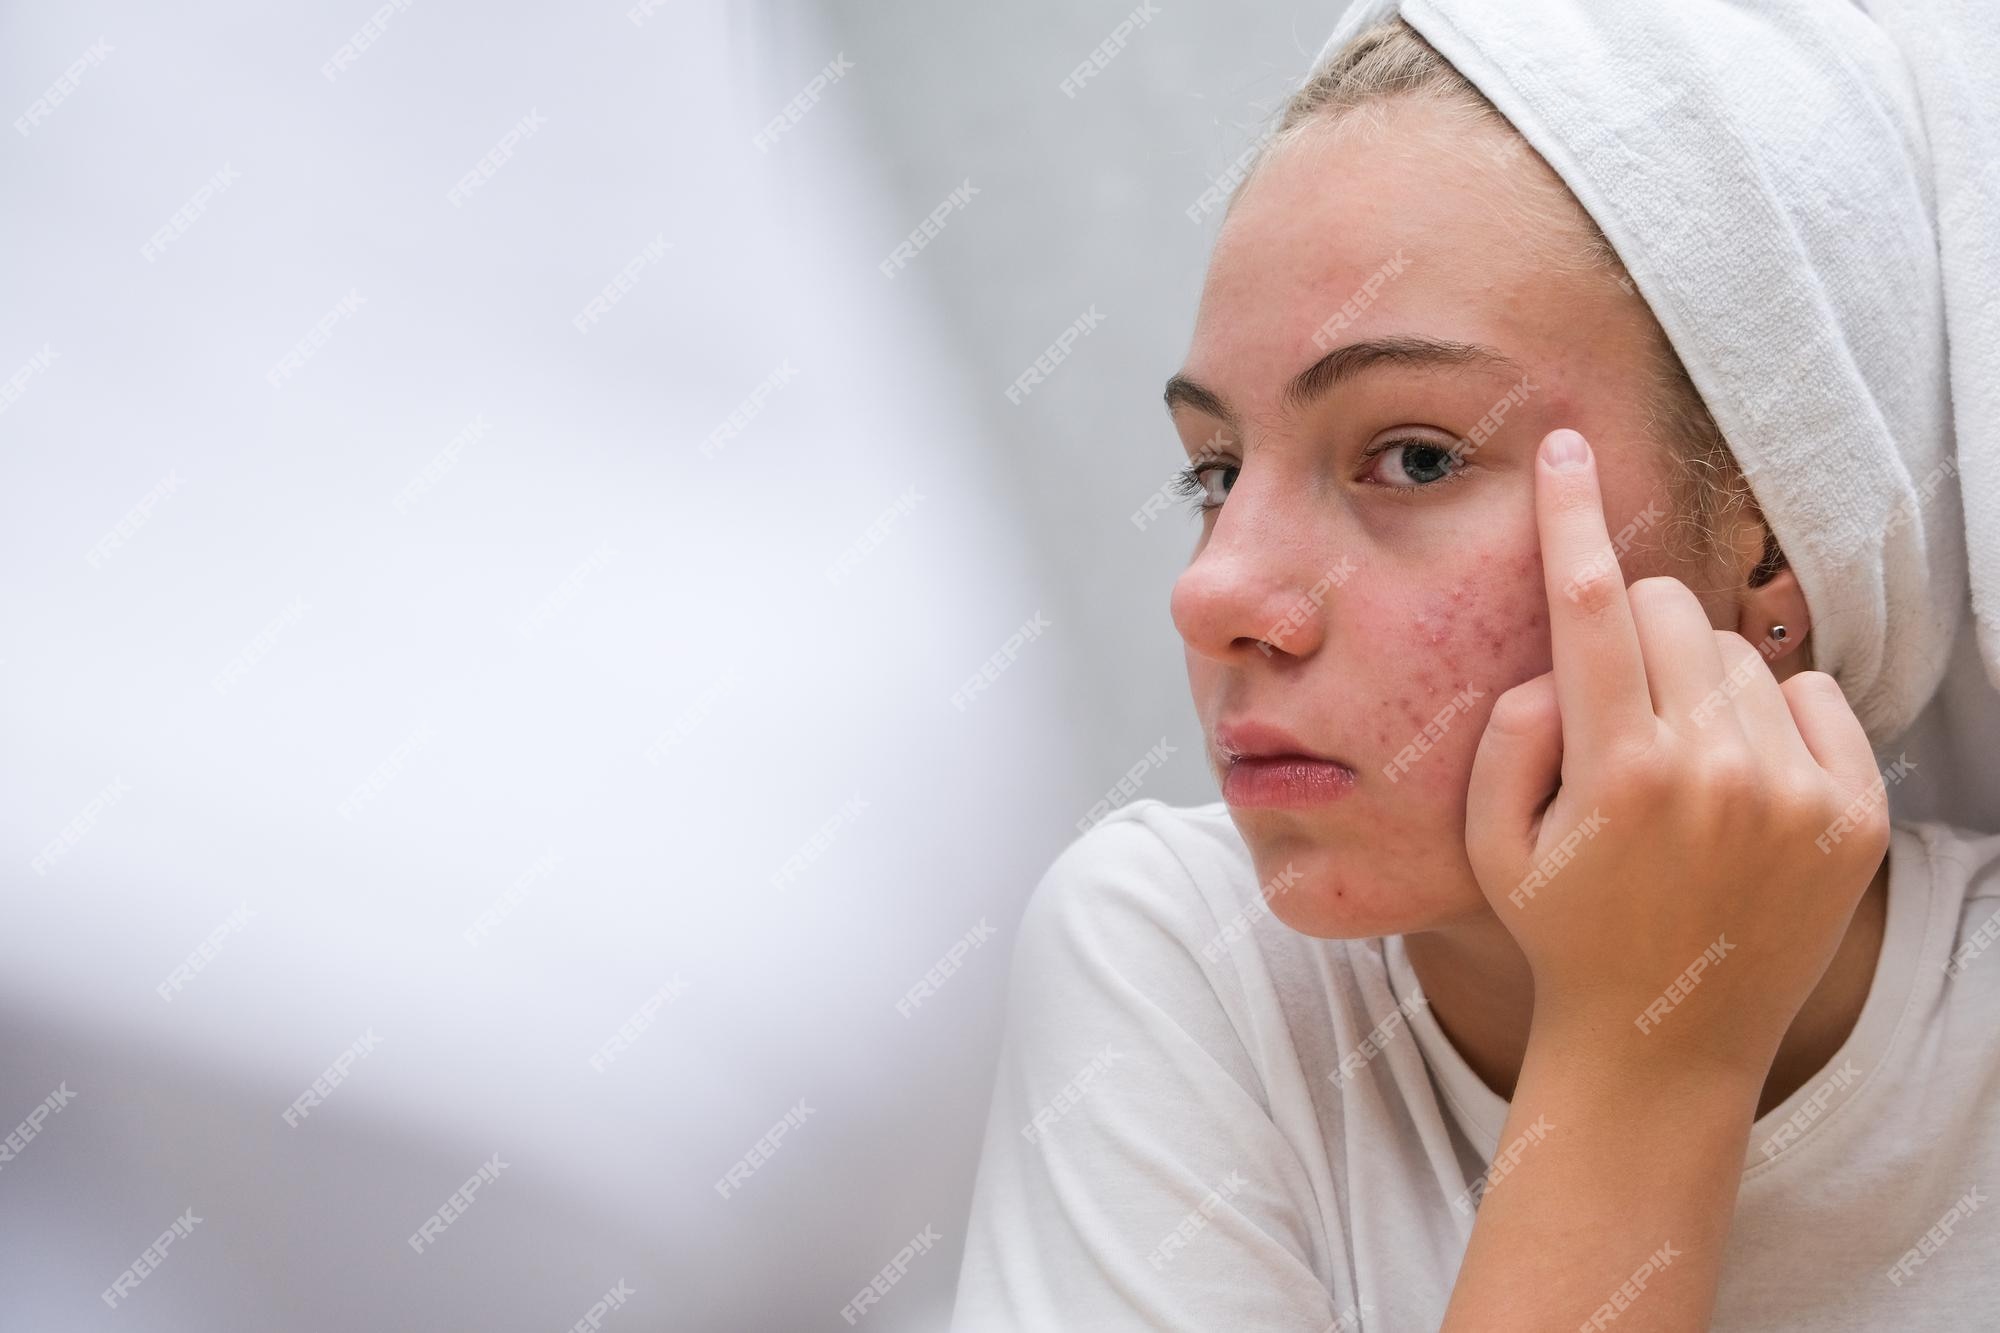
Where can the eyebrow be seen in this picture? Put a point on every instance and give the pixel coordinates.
(1343, 363)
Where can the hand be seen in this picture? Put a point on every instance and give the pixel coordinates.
(1712, 829)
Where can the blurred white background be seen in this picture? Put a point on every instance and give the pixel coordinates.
(404, 657)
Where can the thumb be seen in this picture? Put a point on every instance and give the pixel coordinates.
(1517, 765)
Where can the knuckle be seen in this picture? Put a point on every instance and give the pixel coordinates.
(1595, 587)
(1733, 777)
(1879, 834)
(1642, 773)
(1811, 681)
(1801, 791)
(1659, 590)
(1735, 649)
(1521, 710)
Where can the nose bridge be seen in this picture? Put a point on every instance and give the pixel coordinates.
(1258, 577)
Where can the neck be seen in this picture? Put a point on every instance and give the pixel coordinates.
(1483, 996)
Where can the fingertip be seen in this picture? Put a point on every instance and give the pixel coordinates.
(1565, 450)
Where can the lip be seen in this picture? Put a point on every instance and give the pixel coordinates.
(1240, 738)
(1270, 767)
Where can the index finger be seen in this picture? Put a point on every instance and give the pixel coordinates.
(1600, 672)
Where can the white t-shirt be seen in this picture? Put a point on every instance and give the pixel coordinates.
(1175, 1143)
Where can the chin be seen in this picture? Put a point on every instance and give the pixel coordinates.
(1321, 889)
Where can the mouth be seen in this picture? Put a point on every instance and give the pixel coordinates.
(1267, 767)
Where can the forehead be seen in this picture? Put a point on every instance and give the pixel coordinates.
(1400, 220)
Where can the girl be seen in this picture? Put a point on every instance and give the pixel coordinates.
(1551, 960)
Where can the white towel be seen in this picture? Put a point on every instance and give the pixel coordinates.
(1805, 192)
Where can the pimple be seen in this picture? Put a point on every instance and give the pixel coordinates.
(1495, 633)
(1412, 710)
(1435, 628)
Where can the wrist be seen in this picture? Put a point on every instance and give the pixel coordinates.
(1620, 1067)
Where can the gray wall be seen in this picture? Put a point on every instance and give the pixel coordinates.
(438, 704)
(1083, 204)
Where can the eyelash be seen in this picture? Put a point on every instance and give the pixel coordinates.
(1188, 481)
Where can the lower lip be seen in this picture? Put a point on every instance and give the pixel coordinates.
(1285, 783)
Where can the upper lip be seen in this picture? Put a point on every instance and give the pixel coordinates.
(1247, 738)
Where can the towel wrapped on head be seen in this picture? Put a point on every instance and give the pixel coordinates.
(1806, 194)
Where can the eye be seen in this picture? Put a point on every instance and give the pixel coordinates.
(1414, 464)
(1202, 483)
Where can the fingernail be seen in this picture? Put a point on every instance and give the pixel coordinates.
(1565, 449)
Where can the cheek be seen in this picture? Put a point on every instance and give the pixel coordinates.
(1449, 651)
(1395, 861)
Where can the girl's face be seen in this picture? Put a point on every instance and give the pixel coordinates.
(1358, 587)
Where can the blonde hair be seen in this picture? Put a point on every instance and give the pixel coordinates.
(1392, 61)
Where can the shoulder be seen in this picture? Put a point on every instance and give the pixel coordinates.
(1172, 873)
(1131, 1109)
(1150, 933)
(1117, 944)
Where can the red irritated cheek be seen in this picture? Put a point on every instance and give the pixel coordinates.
(1445, 654)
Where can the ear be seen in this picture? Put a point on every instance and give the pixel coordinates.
(1777, 601)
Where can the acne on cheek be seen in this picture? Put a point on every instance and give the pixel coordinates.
(1486, 632)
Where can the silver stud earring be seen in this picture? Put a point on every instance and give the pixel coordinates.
(1778, 633)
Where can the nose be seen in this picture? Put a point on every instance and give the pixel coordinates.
(1257, 585)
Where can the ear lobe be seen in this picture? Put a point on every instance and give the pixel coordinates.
(1778, 600)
